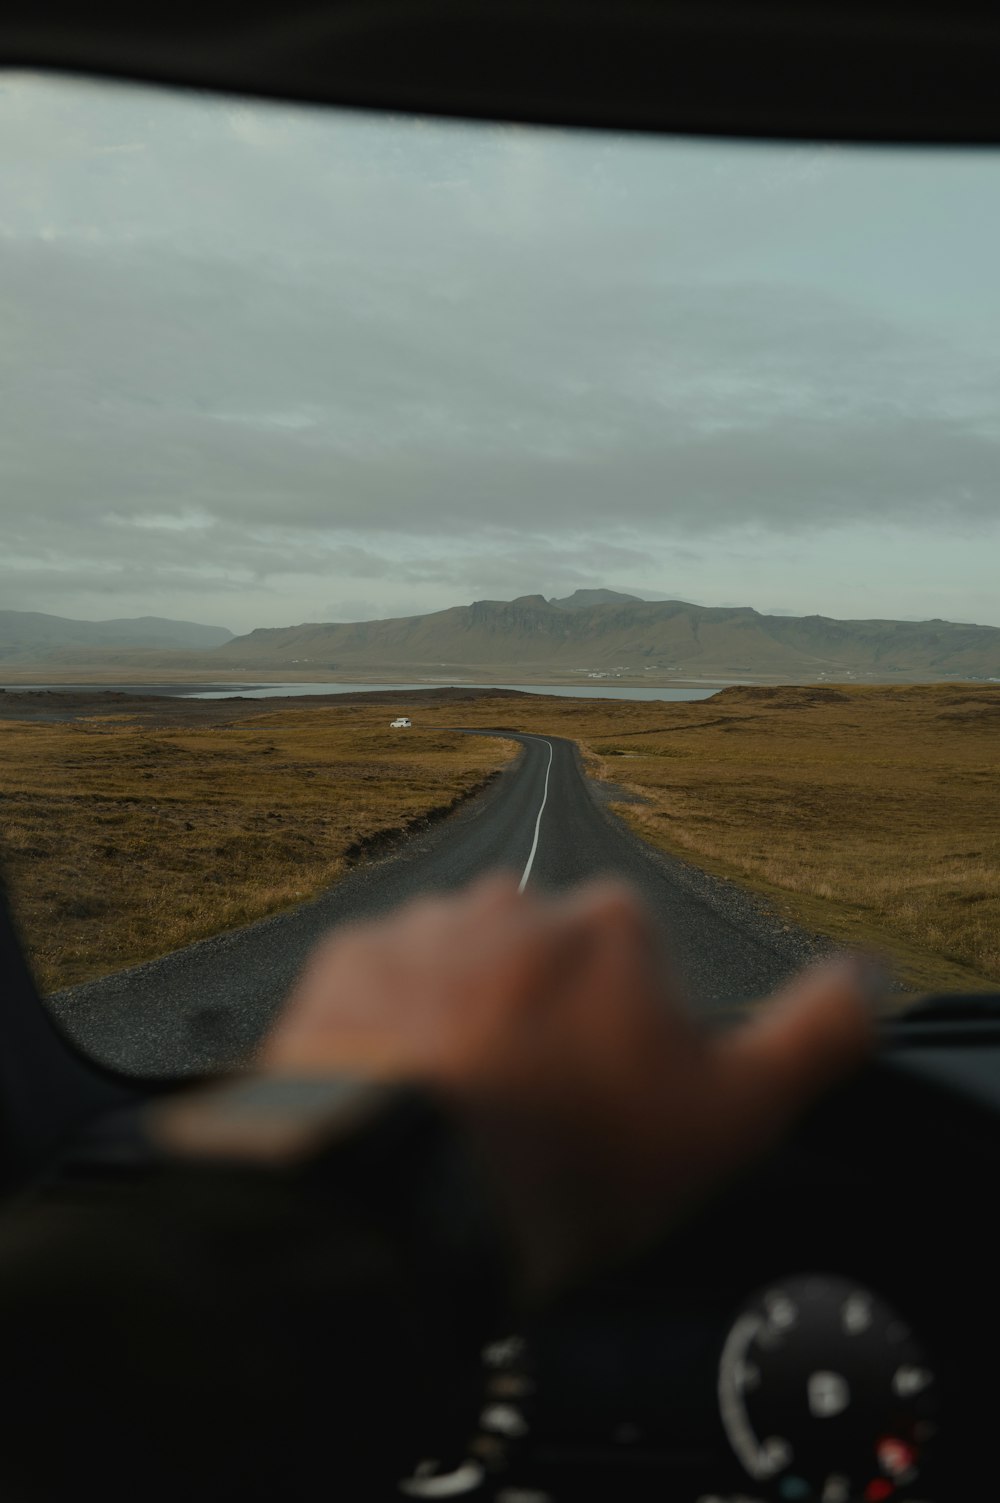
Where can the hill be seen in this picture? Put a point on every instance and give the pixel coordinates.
(30, 636)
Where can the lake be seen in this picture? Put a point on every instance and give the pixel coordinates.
(588, 690)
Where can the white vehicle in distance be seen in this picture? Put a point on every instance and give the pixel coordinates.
(400, 724)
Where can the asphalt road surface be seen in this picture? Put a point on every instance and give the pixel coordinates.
(541, 819)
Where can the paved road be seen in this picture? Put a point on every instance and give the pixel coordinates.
(541, 818)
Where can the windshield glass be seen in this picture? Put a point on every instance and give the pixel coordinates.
(328, 438)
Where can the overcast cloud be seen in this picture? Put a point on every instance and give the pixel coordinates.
(264, 365)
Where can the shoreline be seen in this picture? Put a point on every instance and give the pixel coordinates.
(172, 684)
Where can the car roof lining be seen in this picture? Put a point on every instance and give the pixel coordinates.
(832, 70)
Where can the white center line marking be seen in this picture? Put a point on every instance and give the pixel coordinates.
(538, 822)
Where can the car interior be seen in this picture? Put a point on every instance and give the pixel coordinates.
(828, 1328)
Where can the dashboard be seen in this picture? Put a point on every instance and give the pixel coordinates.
(826, 1330)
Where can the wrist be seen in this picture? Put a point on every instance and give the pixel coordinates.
(268, 1120)
(395, 1156)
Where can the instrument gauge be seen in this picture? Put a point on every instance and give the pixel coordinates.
(826, 1395)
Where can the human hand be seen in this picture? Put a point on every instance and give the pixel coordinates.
(601, 1110)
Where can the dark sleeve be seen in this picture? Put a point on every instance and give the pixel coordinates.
(246, 1334)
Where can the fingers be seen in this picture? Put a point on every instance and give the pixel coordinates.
(809, 1036)
(611, 913)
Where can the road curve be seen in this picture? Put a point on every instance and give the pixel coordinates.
(541, 819)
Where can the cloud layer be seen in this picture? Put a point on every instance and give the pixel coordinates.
(265, 365)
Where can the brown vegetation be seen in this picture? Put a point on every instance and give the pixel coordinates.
(122, 841)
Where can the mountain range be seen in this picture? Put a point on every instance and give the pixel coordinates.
(600, 632)
(31, 637)
(624, 634)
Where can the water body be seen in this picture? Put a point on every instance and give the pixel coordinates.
(588, 690)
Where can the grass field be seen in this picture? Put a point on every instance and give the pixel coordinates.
(123, 841)
(867, 814)
(874, 817)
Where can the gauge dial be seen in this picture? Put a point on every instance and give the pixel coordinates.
(825, 1394)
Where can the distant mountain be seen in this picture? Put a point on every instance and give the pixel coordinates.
(30, 636)
(530, 637)
(624, 635)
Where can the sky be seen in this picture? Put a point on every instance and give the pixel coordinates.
(263, 365)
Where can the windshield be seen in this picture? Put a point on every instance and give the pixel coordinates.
(329, 438)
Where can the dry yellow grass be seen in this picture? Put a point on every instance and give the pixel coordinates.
(868, 814)
(122, 841)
